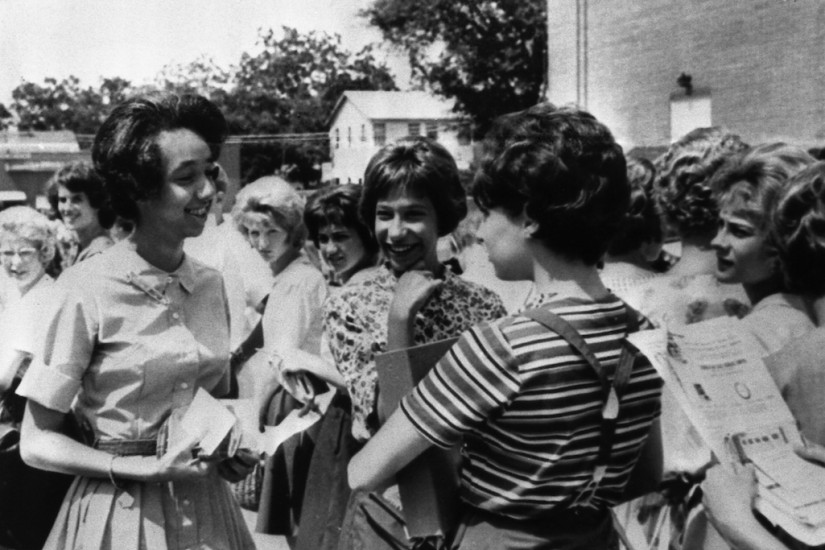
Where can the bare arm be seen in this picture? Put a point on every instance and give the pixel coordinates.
(44, 446)
(395, 445)
(296, 361)
(728, 499)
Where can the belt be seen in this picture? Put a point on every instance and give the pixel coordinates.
(562, 519)
(128, 447)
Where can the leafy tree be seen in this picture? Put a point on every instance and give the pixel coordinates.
(490, 55)
(5, 117)
(291, 86)
(65, 104)
(201, 76)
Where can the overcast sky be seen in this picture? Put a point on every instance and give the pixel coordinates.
(134, 39)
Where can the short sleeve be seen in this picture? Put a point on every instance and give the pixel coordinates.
(63, 349)
(353, 347)
(478, 376)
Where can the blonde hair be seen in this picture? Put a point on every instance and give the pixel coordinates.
(27, 223)
(276, 198)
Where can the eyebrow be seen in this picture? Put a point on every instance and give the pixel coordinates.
(183, 165)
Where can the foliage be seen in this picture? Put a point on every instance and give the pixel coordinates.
(201, 76)
(290, 86)
(490, 55)
(5, 117)
(65, 105)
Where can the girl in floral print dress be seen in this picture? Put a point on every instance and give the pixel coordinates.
(412, 196)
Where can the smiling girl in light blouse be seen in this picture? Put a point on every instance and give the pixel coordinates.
(133, 333)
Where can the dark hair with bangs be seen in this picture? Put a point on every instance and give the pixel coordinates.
(420, 166)
(563, 169)
(337, 205)
(125, 150)
(81, 177)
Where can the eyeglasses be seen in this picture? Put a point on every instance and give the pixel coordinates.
(25, 254)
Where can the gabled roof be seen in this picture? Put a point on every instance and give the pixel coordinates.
(385, 105)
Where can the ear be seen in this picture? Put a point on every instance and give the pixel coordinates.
(529, 227)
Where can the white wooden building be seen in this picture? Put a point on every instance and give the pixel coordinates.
(362, 122)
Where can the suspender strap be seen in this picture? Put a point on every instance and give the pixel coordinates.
(611, 391)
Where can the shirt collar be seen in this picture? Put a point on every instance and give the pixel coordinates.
(446, 273)
(135, 267)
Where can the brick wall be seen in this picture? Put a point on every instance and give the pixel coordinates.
(762, 62)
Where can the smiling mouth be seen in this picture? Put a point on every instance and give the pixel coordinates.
(198, 212)
(400, 250)
(723, 264)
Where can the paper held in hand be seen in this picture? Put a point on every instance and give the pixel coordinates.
(714, 371)
(209, 422)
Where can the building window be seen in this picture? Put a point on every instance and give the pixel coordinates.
(432, 130)
(414, 129)
(337, 138)
(688, 112)
(379, 133)
(349, 136)
(363, 132)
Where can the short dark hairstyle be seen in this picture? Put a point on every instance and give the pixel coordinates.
(125, 150)
(643, 222)
(563, 169)
(798, 228)
(683, 173)
(81, 177)
(420, 166)
(337, 205)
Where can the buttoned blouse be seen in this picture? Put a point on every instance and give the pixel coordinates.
(131, 342)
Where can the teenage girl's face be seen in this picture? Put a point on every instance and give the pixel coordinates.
(188, 187)
(75, 210)
(342, 249)
(505, 239)
(407, 231)
(267, 237)
(742, 253)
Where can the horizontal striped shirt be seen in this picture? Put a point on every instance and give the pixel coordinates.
(527, 408)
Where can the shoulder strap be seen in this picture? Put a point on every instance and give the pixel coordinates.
(572, 337)
(611, 390)
(628, 356)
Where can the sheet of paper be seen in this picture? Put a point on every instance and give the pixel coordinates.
(294, 423)
(208, 421)
(715, 373)
(716, 376)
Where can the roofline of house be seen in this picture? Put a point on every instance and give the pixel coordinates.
(328, 122)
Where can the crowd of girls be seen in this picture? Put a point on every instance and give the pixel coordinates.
(321, 284)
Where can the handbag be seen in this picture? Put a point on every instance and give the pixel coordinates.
(31, 498)
(248, 490)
